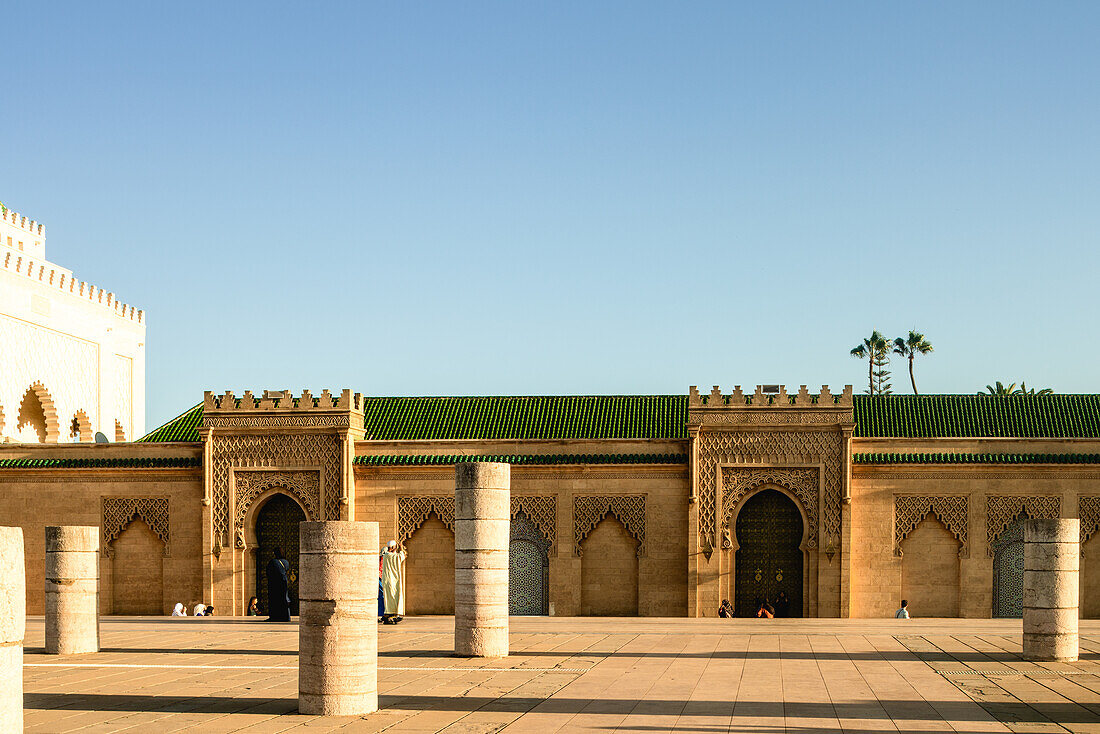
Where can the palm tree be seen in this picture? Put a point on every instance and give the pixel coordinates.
(910, 347)
(1011, 389)
(873, 348)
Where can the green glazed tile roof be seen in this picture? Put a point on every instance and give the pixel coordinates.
(528, 459)
(665, 417)
(184, 427)
(540, 417)
(938, 416)
(171, 462)
(879, 458)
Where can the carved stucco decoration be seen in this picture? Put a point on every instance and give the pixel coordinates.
(259, 451)
(740, 481)
(413, 511)
(1088, 509)
(795, 447)
(589, 510)
(541, 510)
(119, 512)
(1002, 510)
(953, 510)
(305, 485)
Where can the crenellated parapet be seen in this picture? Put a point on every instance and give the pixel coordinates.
(282, 400)
(52, 276)
(26, 224)
(770, 404)
(281, 410)
(769, 396)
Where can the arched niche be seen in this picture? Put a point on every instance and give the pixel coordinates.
(930, 569)
(37, 416)
(137, 571)
(80, 427)
(609, 569)
(430, 567)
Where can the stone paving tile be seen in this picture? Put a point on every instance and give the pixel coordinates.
(571, 675)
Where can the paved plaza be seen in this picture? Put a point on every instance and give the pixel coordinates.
(578, 674)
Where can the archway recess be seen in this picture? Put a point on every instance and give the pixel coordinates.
(37, 415)
(277, 527)
(769, 556)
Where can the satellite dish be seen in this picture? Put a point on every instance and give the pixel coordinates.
(100, 438)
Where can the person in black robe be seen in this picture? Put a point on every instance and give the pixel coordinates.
(782, 605)
(278, 596)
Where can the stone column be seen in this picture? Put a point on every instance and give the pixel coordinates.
(1051, 558)
(72, 589)
(338, 618)
(482, 524)
(13, 620)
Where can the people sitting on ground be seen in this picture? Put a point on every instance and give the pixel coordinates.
(209, 611)
(769, 607)
(725, 611)
(903, 612)
(200, 609)
(782, 605)
(763, 611)
(178, 610)
(253, 607)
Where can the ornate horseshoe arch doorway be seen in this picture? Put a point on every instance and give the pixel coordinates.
(769, 554)
(277, 527)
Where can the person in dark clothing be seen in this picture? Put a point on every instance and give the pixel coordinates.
(726, 610)
(782, 605)
(278, 595)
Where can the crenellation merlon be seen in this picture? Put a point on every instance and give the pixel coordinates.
(777, 399)
(24, 223)
(282, 400)
(49, 275)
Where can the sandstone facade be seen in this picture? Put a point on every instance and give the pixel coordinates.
(620, 505)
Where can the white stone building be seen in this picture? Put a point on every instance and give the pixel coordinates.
(72, 356)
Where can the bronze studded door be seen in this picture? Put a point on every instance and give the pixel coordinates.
(277, 527)
(769, 531)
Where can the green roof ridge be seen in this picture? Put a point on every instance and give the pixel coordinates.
(535, 417)
(139, 462)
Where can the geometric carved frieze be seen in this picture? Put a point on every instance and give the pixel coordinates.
(118, 512)
(305, 485)
(541, 510)
(1088, 509)
(275, 452)
(413, 511)
(1002, 510)
(589, 510)
(739, 481)
(825, 447)
(953, 510)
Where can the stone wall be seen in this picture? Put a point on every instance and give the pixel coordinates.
(970, 503)
(122, 502)
(572, 500)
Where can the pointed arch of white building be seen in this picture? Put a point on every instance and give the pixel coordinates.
(41, 395)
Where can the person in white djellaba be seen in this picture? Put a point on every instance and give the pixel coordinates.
(393, 583)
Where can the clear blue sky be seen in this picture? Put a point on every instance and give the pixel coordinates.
(529, 198)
